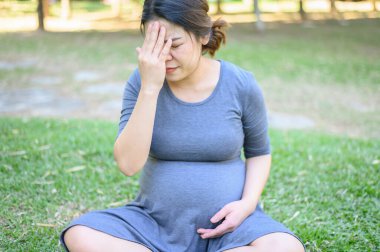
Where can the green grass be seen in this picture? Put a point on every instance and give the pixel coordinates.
(327, 54)
(324, 188)
(324, 73)
(324, 55)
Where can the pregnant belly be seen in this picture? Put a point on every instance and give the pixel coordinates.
(202, 187)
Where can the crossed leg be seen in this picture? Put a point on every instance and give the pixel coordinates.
(80, 238)
(274, 242)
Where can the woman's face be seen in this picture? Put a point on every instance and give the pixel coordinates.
(185, 53)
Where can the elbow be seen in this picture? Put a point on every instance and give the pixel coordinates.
(124, 169)
(127, 171)
(121, 162)
(123, 166)
(127, 168)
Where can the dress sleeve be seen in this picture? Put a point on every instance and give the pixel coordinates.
(131, 92)
(254, 119)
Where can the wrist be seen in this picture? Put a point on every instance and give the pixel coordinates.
(151, 91)
(249, 205)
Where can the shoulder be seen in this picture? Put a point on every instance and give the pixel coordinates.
(241, 80)
(134, 81)
(135, 77)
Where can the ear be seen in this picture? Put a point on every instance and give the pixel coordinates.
(205, 39)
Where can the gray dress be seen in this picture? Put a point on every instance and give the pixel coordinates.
(194, 168)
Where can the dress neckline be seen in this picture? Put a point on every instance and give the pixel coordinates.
(216, 88)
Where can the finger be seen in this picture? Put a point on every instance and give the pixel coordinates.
(147, 28)
(219, 215)
(218, 231)
(151, 38)
(138, 50)
(203, 230)
(165, 51)
(160, 41)
(147, 32)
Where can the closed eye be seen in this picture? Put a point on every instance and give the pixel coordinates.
(175, 46)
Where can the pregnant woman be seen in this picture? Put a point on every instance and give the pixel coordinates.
(184, 120)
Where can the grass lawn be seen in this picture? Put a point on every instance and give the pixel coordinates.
(323, 187)
(328, 73)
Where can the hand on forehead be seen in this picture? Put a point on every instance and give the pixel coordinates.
(173, 31)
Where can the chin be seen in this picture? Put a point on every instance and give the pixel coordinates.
(172, 78)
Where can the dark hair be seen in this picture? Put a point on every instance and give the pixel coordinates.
(189, 14)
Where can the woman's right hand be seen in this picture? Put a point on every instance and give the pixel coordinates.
(152, 57)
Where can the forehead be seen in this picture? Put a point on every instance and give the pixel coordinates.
(172, 30)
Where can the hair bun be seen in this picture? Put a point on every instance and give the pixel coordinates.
(217, 37)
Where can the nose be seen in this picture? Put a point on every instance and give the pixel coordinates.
(169, 56)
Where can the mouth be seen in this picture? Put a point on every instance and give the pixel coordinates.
(170, 69)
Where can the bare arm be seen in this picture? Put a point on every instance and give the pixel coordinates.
(258, 169)
(131, 148)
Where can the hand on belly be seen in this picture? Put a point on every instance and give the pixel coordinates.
(231, 215)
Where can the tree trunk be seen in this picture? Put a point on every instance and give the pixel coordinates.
(40, 12)
(45, 6)
(302, 11)
(259, 24)
(374, 5)
(336, 14)
(219, 7)
(332, 7)
(65, 9)
(116, 8)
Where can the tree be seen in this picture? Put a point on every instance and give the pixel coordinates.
(40, 12)
(333, 9)
(302, 11)
(45, 5)
(219, 7)
(374, 5)
(259, 24)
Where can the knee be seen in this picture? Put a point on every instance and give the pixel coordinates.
(79, 238)
(279, 242)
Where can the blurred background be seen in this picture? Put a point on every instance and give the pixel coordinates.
(317, 60)
(63, 67)
(66, 15)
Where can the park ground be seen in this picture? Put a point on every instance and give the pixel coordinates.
(60, 101)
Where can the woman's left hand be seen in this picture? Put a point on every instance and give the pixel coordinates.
(234, 214)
